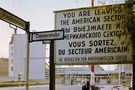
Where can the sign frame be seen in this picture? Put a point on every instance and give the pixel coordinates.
(13, 19)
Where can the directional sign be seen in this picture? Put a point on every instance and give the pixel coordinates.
(12, 19)
(47, 35)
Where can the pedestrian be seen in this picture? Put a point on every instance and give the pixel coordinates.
(87, 85)
(92, 87)
(84, 87)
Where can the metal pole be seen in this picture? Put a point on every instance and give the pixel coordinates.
(92, 65)
(28, 56)
(92, 3)
(133, 77)
(52, 67)
(133, 65)
(119, 74)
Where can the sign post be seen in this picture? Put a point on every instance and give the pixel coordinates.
(92, 65)
(28, 56)
(52, 67)
(18, 22)
(49, 37)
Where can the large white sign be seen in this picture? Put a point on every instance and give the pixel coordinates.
(93, 36)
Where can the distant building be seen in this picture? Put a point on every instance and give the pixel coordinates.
(17, 58)
(128, 68)
(3, 66)
(125, 72)
(74, 74)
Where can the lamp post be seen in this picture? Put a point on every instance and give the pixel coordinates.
(92, 3)
(92, 65)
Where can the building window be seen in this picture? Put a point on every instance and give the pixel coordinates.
(12, 54)
(11, 68)
(12, 48)
(11, 61)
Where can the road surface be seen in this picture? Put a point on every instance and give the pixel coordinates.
(45, 87)
(64, 87)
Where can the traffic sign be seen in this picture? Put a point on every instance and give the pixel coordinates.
(47, 35)
(12, 19)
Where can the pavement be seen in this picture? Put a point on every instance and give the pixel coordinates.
(45, 87)
(113, 87)
(66, 87)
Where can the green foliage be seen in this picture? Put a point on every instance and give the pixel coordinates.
(130, 20)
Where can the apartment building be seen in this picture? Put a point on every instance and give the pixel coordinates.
(17, 58)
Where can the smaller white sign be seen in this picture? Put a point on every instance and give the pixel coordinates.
(47, 35)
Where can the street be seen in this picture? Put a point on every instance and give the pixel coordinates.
(63, 87)
(45, 87)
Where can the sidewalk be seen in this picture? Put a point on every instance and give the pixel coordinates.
(113, 87)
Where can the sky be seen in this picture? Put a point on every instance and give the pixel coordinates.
(39, 13)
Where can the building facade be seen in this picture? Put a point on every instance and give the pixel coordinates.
(17, 58)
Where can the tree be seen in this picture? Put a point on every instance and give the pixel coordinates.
(130, 24)
(130, 21)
